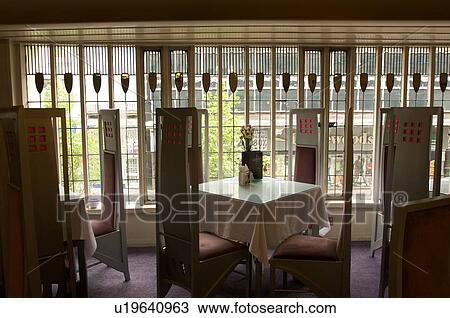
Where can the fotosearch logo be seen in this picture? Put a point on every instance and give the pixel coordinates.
(206, 208)
(400, 198)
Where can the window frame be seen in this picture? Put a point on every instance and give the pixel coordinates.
(166, 96)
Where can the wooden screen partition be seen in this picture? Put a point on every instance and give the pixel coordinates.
(407, 134)
(419, 254)
(33, 246)
(309, 145)
(110, 229)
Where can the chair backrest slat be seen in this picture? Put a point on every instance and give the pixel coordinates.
(177, 179)
(309, 145)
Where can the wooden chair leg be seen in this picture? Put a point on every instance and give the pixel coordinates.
(47, 291)
(249, 275)
(272, 281)
(285, 280)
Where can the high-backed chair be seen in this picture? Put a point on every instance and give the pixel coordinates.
(110, 230)
(309, 145)
(18, 238)
(323, 265)
(198, 262)
(419, 254)
(34, 249)
(407, 133)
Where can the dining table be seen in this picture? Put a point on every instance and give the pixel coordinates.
(262, 214)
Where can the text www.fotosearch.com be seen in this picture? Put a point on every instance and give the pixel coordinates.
(221, 308)
(248, 308)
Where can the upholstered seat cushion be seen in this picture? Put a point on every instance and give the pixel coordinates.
(100, 227)
(303, 247)
(211, 245)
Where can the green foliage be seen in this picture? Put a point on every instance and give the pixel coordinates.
(75, 138)
(229, 143)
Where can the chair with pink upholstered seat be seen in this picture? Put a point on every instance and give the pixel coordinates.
(321, 264)
(198, 262)
(110, 228)
(407, 132)
(36, 255)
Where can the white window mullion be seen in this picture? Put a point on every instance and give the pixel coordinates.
(247, 85)
(431, 76)
(53, 76)
(349, 102)
(405, 71)
(83, 118)
(110, 77)
(140, 92)
(350, 82)
(220, 121)
(166, 92)
(22, 74)
(191, 76)
(273, 110)
(301, 78)
(377, 127)
(326, 104)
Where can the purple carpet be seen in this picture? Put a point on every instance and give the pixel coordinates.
(106, 282)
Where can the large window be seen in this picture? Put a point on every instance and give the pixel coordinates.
(207, 97)
(391, 77)
(125, 99)
(260, 101)
(236, 85)
(38, 72)
(286, 98)
(97, 96)
(418, 77)
(363, 122)
(312, 79)
(153, 98)
(336, 113)
(68, 97)
(179, 78)
(233, 107)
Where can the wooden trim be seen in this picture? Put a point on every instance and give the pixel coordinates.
(83, 119)
(246, 85)
(110, 77)
(140, 80)
(54, 87)
(325, 92)
(191, 75)
(220, 111)
(405, 77)
(273, 113)
(431, 76)
(301, 77)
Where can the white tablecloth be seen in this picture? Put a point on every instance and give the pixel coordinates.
(262, 214)
(81, 228)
